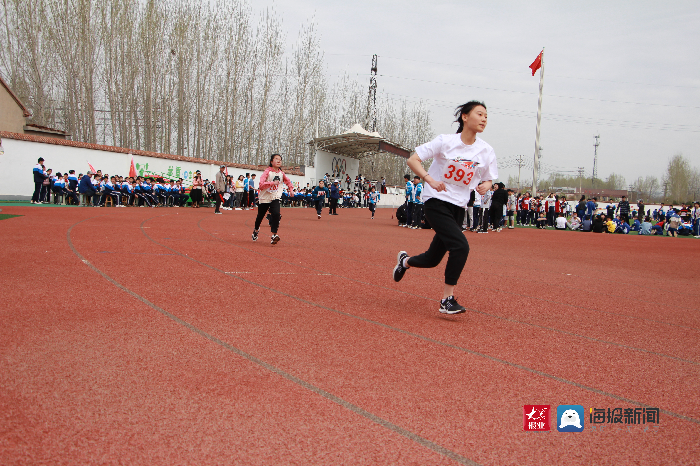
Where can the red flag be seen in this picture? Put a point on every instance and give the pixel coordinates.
(537, 64)
(132, 168)
(92, 169)
(226, 171)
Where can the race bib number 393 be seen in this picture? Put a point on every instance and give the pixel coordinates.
(459, 173)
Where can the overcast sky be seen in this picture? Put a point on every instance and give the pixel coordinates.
(627, 70)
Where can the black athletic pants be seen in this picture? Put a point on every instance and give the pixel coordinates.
(496, 215)
(217, 197)
(446, 220)
(417, 215)
(274, 208)
(37, 191)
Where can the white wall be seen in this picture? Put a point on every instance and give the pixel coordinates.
(325, 162)
(17, 181)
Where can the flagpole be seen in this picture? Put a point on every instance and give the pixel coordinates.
(535, 165)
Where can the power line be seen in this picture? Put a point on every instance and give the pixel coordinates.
(548, 95)
(568, 118)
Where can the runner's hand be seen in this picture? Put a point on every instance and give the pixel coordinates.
(436, 185)
(483, 187)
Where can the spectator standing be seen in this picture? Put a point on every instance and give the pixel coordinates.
(581, 207)
(39, 177)
(610, 209)
(695, 217)
(334, 196)
(591, 207)
(251, 192)
(45, 194)
(196, 192)
(498, 200)
(417, 203)
(240, 189)
(220, 188)
(486, 210)
(512, 207)
(623, 207)
(409, 201)
(550, 207)
(476, 221)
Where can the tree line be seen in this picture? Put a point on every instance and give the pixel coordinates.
(679, 184)
(200, 79)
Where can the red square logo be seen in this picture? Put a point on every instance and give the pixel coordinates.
(536, 418)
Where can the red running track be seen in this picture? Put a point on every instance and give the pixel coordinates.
(166, 336)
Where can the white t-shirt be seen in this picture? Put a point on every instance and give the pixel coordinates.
(459, 166)
(561, 223)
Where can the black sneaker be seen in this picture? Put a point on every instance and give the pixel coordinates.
(450, 305)
(255, 235)
(274, 239)
(399, 270)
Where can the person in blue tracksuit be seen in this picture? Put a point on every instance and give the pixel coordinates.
(591, 206)
(70, 187)
(320, 194)
(334, 196)
(58, 187)
(108, 190)
(246, 186)
(39, 177)
(409, 201)
(417, 203)
(147, 193)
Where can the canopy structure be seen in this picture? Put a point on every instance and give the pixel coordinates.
(358, 143)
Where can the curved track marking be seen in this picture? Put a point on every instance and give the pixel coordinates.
(421, 337)
(329, 396)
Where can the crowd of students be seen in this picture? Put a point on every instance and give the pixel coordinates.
(499, 207)
(502, 208)
(98, 189)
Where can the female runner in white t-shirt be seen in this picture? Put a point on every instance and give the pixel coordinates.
(462, 162)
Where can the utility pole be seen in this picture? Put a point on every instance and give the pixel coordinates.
(595, 160)
(371, 118)
(581, 171)
(521, 163)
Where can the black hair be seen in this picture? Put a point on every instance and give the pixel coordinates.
(407, 177)
(583, 198)
(41, 159)
(272, 157)
(465, 110)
